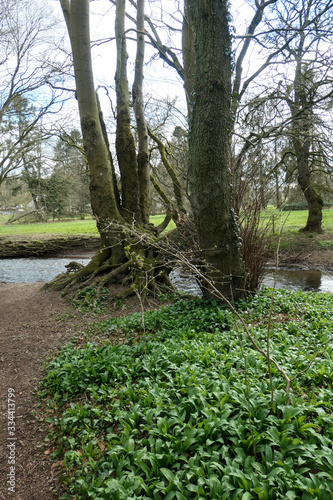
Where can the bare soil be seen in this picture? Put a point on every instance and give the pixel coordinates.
(307, 251)
(33, 325)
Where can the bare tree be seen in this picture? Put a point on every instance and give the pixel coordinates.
(26, 74)
(120, 213)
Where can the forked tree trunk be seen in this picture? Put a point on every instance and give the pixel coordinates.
(209, 161)
(125, 257)
(125, 146)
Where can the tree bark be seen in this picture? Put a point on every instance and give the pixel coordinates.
(209, 160)
(138, 105)
(125, 145)
(103, 200)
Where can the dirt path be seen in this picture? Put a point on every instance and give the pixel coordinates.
(32, 324)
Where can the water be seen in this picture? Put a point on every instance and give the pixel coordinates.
(32, 270)
(308, 281)
(185, 282)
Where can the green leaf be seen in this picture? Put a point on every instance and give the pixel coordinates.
(168, 474)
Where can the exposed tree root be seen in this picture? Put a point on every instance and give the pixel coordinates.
(130, 261)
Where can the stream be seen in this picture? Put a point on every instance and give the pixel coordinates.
(32, 270)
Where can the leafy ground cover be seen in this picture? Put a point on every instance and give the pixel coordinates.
(166, 412)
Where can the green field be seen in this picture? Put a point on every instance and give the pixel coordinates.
(295, 220)
(291, 222)
(70, 228)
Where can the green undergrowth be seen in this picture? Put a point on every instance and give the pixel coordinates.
(167, 416)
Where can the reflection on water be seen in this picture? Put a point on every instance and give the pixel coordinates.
(185, 282)
(31, 270)
(312, 281)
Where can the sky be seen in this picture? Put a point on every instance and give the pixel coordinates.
(159, 80)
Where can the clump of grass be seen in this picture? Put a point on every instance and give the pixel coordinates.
(167, 417)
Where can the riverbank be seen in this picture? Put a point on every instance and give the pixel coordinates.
(44, 244)
(304, 251)
(296, 251)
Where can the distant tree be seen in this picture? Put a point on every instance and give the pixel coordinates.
(294, 39)
(71, 166)
(27, 76)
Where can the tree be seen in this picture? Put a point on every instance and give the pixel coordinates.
(56, 195)
(310, 88)
(70, 165)
(294, 40)
(26, 95)
(120, 216)
(209, 153)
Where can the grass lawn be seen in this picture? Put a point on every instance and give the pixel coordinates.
(167, 413)
(53, 228)
(291, 221)
(296, 219)
(70, 228)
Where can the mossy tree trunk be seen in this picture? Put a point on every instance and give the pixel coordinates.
(125, 145)
(209, 157)
(102, 194)
(301, 127)
(138, 105)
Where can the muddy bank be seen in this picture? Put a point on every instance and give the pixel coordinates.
(317, 260)
(45, 245)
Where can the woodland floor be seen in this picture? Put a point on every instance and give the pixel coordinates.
(33, 325)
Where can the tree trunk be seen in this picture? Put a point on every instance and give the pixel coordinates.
(103, 200)
(314, 200)
(125, 145)
(209, 160)
(302, 123)
(188, 50)
(138, 105)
